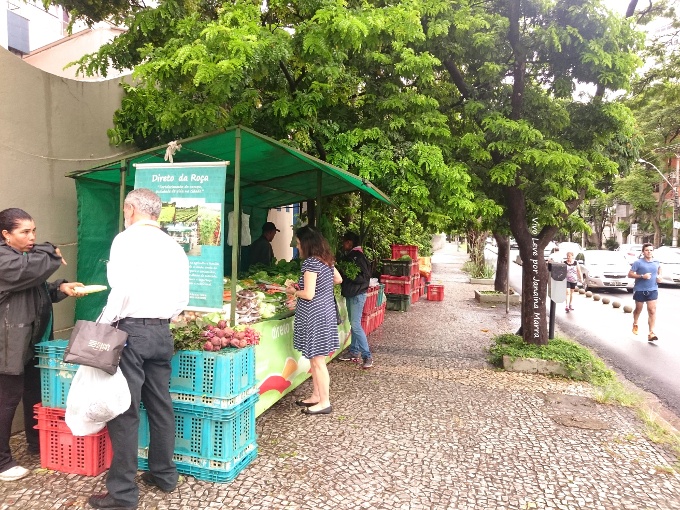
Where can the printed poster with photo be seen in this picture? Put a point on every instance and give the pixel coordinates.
(193, 215)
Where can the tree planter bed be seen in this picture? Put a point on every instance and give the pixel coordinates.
(495, 297)
(541, 366)
(482, 281)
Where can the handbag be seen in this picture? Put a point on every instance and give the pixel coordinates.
(96, 345)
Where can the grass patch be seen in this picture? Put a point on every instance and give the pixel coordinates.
(579, 362)
(479, 270)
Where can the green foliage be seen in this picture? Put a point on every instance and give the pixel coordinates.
(479, 270)
(348, 268)
(611, 243)
(574, 357)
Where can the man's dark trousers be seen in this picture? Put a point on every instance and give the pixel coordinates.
(145, 363)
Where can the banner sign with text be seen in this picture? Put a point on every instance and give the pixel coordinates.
(193, 215)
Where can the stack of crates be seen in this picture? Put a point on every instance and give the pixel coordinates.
(59, 449)
(401, 278)
(370, 312)
(213, 397)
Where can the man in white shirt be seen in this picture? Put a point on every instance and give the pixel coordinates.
(148, 273)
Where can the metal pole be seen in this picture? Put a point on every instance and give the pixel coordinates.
(507, 283)
(237, 235)
(122, 194)
(551, 328)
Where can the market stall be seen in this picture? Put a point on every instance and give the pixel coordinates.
(258, 173)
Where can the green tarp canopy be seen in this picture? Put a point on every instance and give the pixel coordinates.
(271, 174)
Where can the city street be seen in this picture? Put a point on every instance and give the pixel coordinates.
(654, 367)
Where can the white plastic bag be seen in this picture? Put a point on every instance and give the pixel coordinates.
(94, 398)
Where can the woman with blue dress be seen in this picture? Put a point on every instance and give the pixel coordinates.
(315, 330)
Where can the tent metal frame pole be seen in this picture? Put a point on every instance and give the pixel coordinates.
(319, 188)
(122, 194)
(237, 216)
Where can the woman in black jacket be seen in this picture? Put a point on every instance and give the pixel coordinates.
(25, 319)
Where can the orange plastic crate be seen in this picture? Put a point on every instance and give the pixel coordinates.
(62, 451)
(435, 292)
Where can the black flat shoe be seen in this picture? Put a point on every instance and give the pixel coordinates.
(302, 403)
(149, 479)
(326, 410)
(105, 501)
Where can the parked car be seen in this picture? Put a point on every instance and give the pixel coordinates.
(604, 269)
(548, 250)
(630, 251)
(670, 264)
(559, 254)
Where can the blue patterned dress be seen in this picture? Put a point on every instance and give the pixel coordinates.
(315, 331)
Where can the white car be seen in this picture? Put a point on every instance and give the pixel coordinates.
(559, 254)
(670, 264)
(632, 252)
(604, 269)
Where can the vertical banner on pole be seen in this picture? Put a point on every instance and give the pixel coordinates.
(193, 215)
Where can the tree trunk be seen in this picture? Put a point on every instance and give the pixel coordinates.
(476, 243)
(503, 245)
(599, 228)
(534, 268)
(657, 231)
(534, 295)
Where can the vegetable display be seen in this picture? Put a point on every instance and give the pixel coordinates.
(193, 331)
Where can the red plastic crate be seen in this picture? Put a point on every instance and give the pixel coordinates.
(365, 320)
(62, 451)
(415, 295)
(399, 250)
(415, 268)
(435, 292)
(396, 284)
(380, 315)
(371, 300)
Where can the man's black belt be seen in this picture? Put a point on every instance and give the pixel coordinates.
(146, 322)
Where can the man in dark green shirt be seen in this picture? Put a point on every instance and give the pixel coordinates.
(261, 251)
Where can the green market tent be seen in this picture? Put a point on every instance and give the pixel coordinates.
(262, 174)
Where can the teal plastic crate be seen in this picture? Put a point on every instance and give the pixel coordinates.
(216, 472)
(381, 295)
(207, 433)
(55, 375)
(223, 375)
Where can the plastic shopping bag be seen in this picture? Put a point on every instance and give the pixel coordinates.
(94, 398)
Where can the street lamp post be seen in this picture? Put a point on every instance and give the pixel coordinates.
(674, 241)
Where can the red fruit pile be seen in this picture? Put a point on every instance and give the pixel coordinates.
(222, 336)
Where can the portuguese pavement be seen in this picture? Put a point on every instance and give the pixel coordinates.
(431, 426)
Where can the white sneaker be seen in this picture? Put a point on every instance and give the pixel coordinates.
(15, 473)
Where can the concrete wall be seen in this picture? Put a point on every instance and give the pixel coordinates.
(50, 126)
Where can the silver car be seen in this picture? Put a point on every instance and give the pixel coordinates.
(670, 264)
(604, 269)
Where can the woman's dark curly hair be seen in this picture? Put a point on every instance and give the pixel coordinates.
(313, 244)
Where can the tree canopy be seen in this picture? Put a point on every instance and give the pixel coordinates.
(462, 110)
